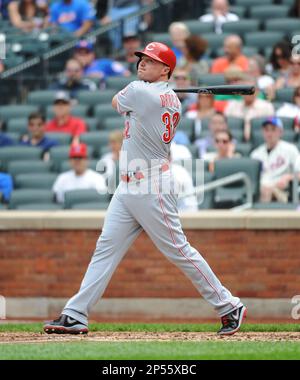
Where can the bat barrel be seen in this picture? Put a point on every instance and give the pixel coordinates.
(219, 90)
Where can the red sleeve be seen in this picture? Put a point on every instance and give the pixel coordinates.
(79, 127)
(49, 126)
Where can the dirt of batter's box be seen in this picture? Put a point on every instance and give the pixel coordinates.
(25, 337)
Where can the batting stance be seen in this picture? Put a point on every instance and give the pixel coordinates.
(152, 111)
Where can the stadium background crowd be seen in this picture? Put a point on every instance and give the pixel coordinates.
(57, 121)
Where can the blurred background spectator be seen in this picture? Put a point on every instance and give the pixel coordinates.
(295, 9)
(219, 15)
(193, 59)
(233, 46)
(28, 15)
(79, 177)
(6, 187)
(4, 9)
(131, 43)
(101, 68)
(280, 58)
(257, 71)
(36, 133)
(181, 79)
(178, 32)
(74, 16)
(63, 120)
(292, 77)
(225, 148)
(72, 80)
(291, 109)
(248, 108)
(279, 158)
(110, 160)
(5, 140)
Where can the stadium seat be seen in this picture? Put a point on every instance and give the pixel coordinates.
(41, 98)
(13, 153)
(239, 10)
(250, 3)
(93, 140)
(28, 166)
(194, 150)
(14, 136)
(238, 135)
(207, 200)
(287, 25)
(94, 98)
(198, 27)
(275, 206)
(25, 196)
(118, 83)
(243, 149)
(241, 27)
(74, 197)
(235, 123)
(103, 111)
(40, 206)
(212, 79)
(13, 61)
(160, 37)
(35, 180)
(234, 194)
(113, 123)
(285, 95)
(288, 123)
(262, 39)
(214, 40)
(92, 123)
(60, 137)
(91, 206)
(79, 110)
(16, 111)
(257, 137)
(268, 12)
(17, 125)
(187, 126)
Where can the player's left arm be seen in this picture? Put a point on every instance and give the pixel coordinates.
(114, 102)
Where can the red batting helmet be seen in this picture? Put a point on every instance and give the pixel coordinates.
(160, 52)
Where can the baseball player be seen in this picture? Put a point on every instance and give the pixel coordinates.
(152, 111)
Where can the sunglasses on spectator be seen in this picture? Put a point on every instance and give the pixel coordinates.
(221, 141)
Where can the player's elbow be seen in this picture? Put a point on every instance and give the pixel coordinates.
(114, 102)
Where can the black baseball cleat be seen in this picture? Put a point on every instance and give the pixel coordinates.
(65, 325)
(231, 322)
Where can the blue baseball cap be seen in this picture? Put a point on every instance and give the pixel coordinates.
(274, 121)
(84, 44)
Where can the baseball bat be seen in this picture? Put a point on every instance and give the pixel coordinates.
(220, 90)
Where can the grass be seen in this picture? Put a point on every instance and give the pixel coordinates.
(183, 350)
(158, 327)
(153, 350)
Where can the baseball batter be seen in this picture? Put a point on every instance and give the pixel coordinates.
(145, 199)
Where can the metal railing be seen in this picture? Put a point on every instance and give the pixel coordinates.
(240, 176)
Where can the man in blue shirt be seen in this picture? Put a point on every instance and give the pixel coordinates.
(36, 135)
(75, 16)
(3, 9)
(92, 67)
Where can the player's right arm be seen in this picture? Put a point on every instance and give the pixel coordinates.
(124, 101)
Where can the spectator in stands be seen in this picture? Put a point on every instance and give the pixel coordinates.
(203, 109)
(178, 32)
(193, 60)
(36, 133)
(291, 109)
(217, 123)
(280, 58)
(219, 15)
(80, 177)
(292, 77)
(118, 9)
(28, 15)
(74, 16)
(248, 108)
(1, 66)
(92, 67)
(181, 79)
(257, 70)
(233, 46)
(279, 158)
(63, 120)
(72, 80)
(131, 43)
(5, 140)
(225, 148)
(3, 9)
(6, 187)
(110, 159)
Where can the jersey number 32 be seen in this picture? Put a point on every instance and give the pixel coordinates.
(170, 123)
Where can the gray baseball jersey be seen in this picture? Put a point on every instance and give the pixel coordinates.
(152, 111)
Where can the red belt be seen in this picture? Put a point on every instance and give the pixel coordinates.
(140, 175)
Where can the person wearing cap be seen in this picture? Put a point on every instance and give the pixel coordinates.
(36, 133)
(101, 68)
(74, 16)
(146, 199)
(279, 159)
(63, 120)
(131, 43)
(72, 79)
(79, 177)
